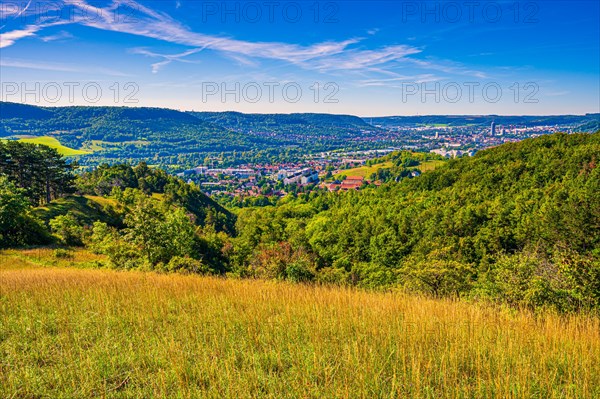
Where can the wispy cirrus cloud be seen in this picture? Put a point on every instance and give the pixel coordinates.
(167, 58)
(62, 35)
(398, 80)
(448, 67)
(328, 55)
(365, 59)
(10, 38)
(57, 67)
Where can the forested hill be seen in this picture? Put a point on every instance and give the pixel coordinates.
(84, 115)
(119, 134)
(36, 176)
(300, 123)
(168, 137)
(23, 111)
(519, 223)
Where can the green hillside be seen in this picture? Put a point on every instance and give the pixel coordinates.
(170, 137)
(54, 143)
(517, 224)
(87, 209)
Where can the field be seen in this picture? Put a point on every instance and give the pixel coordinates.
(363, 171)
(366, 171)
(429, 165)
(54, 143)
(75, 332)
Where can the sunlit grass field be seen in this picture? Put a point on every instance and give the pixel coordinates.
(76, 332)
(54, 143)
(363, 171)
(366, 171)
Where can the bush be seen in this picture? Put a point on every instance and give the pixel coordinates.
(438, 277)
(123, 255)
(102, 238)
(368, 275)
(565, 281)
(67, 230)
(280, 261)
(182, 264)
(61, 253)
(299, 271)
(333, 275)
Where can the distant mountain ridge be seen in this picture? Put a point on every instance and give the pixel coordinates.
(10, 110)
(239, 120)
(228, 119)
(168, 137)
(172, 137)
(463, 120)
(234, 120)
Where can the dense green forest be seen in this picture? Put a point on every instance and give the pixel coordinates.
(177, 140)
(517, 224)
(168, 137)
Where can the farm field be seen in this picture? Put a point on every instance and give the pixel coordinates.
(69, 331)
(54, 143)
(363, 171)
(366, 171)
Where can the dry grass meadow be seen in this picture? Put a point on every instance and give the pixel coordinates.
(73, 332)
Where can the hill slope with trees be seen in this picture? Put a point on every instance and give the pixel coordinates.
(519, 223)
(169, 137)
(516, 224)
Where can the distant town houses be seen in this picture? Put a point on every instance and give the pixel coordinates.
(350, 183)
(237, 172)
(303, 176)
(317, 170)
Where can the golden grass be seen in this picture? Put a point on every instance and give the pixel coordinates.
(45, 257)
(75, 333)
(430, 165)
(363, 171)
(102, 200)
(366, 171)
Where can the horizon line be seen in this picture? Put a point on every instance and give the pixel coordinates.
(298, 112)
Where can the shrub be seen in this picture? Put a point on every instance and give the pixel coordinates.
(280, 261)
(565, 281)
(123, 255)
(333, 275)
(67, 230)
(61, 253)
(182, 264)
(299, 271)
(368, 275)
(437, 277)
(102, 238)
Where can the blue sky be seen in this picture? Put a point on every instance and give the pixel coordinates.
(362, 58)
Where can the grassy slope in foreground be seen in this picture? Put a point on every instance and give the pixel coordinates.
(76, 333)
(54, 143)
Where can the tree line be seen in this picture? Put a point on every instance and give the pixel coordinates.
(40, 171)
